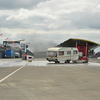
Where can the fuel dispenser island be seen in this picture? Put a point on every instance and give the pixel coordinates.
(83, 50)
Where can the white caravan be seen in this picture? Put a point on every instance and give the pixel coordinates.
(62, 54)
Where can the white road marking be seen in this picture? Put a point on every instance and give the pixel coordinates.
(11, 73)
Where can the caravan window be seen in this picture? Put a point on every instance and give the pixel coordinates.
(68, 52)
(61, 53)
(52, 53)
(75, 52)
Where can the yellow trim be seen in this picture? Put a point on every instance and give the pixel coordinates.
(84, 40)
(66, 56)
(63, 56)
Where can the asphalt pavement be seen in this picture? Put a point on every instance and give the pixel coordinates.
(41, 80)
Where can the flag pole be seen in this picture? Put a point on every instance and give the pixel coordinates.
(1, 38)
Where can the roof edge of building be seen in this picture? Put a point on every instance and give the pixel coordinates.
(84, 40)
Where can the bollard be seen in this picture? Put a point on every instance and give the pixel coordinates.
(29, 59)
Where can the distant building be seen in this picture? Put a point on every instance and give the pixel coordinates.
(18, 48)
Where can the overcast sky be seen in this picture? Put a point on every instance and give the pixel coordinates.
(45, 23)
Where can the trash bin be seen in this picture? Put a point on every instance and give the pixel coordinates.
(29, 59)
(84, 58)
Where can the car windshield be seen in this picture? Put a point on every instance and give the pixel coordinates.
(52, 53)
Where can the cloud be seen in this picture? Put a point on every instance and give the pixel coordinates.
(40, 40)
(51, 20)
(16, 4)
(21, 14)
(76, 14)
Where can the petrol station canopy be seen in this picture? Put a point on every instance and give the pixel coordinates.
(73, 41)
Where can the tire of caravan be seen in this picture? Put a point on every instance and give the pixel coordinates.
(62, 54)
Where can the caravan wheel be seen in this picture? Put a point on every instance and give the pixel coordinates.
(57, 62)
(67, 61)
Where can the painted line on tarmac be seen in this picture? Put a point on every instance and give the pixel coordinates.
(12, 73)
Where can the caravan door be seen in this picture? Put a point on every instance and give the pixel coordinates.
(74, 55)
(68, 57)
